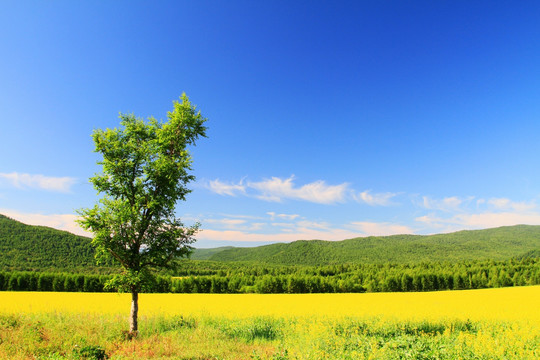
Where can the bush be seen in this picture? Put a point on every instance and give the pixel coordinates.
(90, 352)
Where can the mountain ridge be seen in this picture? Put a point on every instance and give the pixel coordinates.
(494, 243)
(40, 248)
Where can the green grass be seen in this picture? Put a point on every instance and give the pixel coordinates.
(60, 336)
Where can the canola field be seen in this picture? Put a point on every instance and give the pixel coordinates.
(499, 323)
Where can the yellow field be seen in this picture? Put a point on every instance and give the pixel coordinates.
(510, 304)
(472, 324)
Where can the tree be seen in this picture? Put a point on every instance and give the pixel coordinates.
(145, 173)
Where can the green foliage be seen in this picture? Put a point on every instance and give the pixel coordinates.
(90, 352)
(29, 248)
(34, 281)
(145, 172)
(206, 254)
(172, 323)
(497, 244)
(216, 277)
(220, 278)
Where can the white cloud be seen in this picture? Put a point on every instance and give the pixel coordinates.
(448, 204)
(308, 225)
(64, 222)
(256, 226)
(507, 204)
(453, 213)
(276, 189)
(308, 230)
(240, 223)
(301, 229)
(229, 223)
(282, 236)
(380, 228)
(38, 181)
(487, 220)
(287, 226)
(222, 188)
(246, 217)
(290, 217)
(382, 199)
(478, 221)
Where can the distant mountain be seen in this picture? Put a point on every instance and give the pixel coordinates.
(206, 254)
(498, 244)
(28, 247)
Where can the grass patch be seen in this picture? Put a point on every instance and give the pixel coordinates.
(259, 328)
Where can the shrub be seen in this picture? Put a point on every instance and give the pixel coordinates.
(90, 352)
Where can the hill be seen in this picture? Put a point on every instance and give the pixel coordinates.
(494, 244)
(206, 254)
(28, 247)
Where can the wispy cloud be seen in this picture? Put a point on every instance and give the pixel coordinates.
(37, 181)
(380, 228)
(226, 222)
(448, 204)
(64, 222)
(223, 188)
(381, 199)
(453, 213)
(281, 236)
(278, 189)
(507, 204)
(292, 227)
(243, 224)
(307, 230)
(478, 221)
(274, 216)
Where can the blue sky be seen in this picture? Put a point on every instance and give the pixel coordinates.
(327, 120)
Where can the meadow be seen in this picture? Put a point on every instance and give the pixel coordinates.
(501, 323)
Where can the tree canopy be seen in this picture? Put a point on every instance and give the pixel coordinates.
(146, 169)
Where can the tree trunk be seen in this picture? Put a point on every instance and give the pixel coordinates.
(133, 325)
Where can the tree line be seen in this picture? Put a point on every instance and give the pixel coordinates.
(39, 281)
(207, 277)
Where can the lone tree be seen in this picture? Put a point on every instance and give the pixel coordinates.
(145, 173)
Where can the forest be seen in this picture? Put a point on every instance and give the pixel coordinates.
(221, 278)
(37, 258)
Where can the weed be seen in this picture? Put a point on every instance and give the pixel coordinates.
(252, 329)
(90, 352)
(9, 321)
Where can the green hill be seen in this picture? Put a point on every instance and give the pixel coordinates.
(495, 244)
(205, 254)
(27, 247)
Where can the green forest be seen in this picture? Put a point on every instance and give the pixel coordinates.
(43, 259)
(490, 244)
(220, 278)
(39, 248)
